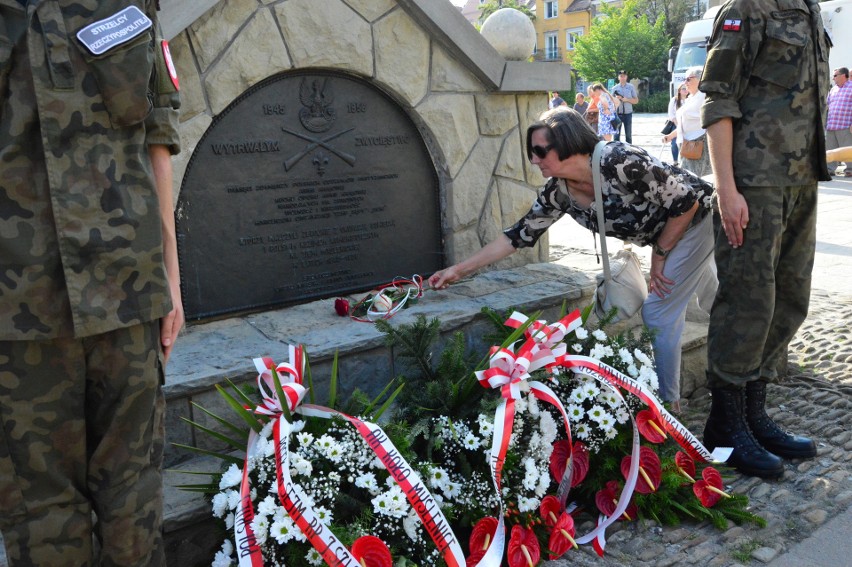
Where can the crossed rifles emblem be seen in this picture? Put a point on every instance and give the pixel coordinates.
(315, 143)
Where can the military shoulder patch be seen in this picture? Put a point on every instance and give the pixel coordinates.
(732, 25)
(115, 30)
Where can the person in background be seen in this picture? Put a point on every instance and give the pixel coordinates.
(765, 118)
(689, 125)
(674, 104)
(89, 279)
(592, 113)
(606, 111)
(580, 104)
(626, 95)
(645, 202)
(838, 126)
(557, 100)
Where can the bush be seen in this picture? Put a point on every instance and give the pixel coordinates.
(655, 103)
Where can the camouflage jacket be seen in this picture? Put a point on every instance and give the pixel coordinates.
(767, 69)
(84, 89)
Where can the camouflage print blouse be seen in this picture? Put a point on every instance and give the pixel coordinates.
(640, 194)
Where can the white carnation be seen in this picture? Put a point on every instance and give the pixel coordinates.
(232, 477)
(599, 334)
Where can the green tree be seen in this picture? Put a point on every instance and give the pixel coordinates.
(622, 38)
(493, 5)
(676, 13)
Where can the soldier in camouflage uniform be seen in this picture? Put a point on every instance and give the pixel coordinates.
(766, 80)
(89, 283)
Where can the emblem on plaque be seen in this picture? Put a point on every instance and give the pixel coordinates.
(317, 114)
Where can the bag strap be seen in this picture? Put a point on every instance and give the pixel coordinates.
(596, 181)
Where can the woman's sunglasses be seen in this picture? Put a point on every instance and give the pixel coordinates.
(540, 152)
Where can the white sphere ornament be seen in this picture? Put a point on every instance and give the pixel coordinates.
(511, 33)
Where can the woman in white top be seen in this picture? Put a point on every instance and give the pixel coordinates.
(689, 125)
(674, 105)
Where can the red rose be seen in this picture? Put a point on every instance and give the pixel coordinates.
(341, 306)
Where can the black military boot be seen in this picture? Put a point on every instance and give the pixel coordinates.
(767, 432)
(727, 427)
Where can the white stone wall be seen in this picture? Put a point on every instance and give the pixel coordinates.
(475, 135)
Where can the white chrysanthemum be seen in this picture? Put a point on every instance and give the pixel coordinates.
(314, 558)
(298, 425)
(575, 412)
(532, 404)
(597, 413)
(547, 426)
(305, 439)
(261, 447)
(649, 377)
(229, 521)
(233, 499)
(622, 415)
(334, 453)
(611, 434)
(326, 442)
(266, 431)
(381, 504)
(625, 355)
(527, 504)
(409, 524)
(367, 481)
(283, 530)
(633, 371)
(220, 504)
(577, 347)
(598, 351)
(471, 442)
(301, 465)
(543, 485)
(642, 357)
(486, 425)
(260, 527)
(609, 398)
(582, 431)
(438, 477)
(607, 421)
(591, 389)
(578, 395)
(581, 333)
(267, 506)
(599, 334)
(452, 490)
(530, 474)
(222, 559)
(377, 463)
(324, 515)
(232, 477)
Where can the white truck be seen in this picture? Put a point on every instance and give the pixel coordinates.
(692, 51)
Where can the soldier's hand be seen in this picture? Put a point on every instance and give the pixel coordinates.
(733, 209)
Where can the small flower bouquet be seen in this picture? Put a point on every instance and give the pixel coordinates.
(478, 464)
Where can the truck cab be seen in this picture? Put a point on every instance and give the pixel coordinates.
(692, 50)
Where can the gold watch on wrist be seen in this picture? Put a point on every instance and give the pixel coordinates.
(659, 251)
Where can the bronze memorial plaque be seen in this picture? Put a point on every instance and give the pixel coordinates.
(309, 185)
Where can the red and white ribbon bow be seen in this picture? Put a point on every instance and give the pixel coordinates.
(549, 337)
(290, 374)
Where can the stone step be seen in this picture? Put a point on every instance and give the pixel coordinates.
(210, 353)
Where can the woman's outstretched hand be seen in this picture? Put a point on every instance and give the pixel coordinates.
(443, 278)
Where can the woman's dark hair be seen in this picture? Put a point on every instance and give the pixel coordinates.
(567, 130)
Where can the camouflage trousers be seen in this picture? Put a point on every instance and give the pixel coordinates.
(764, 285)
(83, 430)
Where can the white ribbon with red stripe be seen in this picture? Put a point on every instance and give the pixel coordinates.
(549, 337)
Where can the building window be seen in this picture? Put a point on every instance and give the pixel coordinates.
(551, 46)
(551, 9)
(571, 36)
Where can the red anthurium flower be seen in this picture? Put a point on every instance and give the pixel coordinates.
(650, 470)
(370, 551)
(483, 533)
(524, 550)
(341, 306)
(709, 490)
(685, 465)
(562, 536)
(559, 460)
(606, 500)
(549, 510)
(474, 558)
(650, 426)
